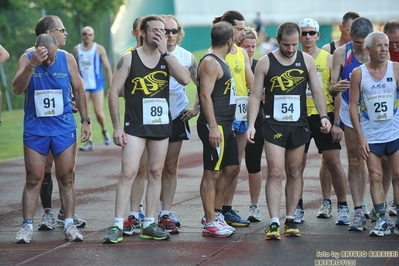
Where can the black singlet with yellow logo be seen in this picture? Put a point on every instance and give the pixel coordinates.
(285, 90)
(223, 97)
(147, 100)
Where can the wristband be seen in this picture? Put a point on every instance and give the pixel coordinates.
(87, 119)
(326, 117)
(32, 65)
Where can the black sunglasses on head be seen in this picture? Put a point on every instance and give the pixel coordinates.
(311, 33)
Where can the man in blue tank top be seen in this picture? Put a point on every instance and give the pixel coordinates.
(46, 76)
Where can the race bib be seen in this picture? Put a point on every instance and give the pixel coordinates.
(287, 108)
(49, 103)
(173, 104)
(85, 62)
(155, 111)
(379, 106)
(241, 108)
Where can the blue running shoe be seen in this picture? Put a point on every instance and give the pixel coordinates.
(232, 218)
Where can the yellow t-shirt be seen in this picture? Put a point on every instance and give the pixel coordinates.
(236, 63)
(323, 72)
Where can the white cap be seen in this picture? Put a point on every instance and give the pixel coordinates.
(309, 22)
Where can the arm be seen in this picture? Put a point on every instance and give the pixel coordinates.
(261, 70)
(118, 82)
(336, 132)
(209, 72)
(354, 95)
(317, 93)
(79, 95)
(249, 76)
(191, 112)
(103, 54)
(4, 55)
(26, 68)
(338, 62)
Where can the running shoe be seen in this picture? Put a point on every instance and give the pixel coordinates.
(114, 235)
(215, 229)
(72, 233)
(254, 214)
(299, 215)
(174, 219)
(232, 218)
(107, 141)
(166, 224)
(325, 210)
(381, 228)
(131, 225)
(359, 220)
(221, 220)
(365, 210)
(392, 209)
(88, 146)
(290, 228)
(48, 221)
(344, 216)
(273, 232)
(396, 229)
(154, 232)
(388, 220)
(76, 220)
(24, 235)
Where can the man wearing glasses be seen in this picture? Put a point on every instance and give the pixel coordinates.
(91, 57)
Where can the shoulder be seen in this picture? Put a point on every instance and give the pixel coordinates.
(327, 47)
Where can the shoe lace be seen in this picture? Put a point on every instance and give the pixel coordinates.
(343, 212)
(71, 229)
(273, 227)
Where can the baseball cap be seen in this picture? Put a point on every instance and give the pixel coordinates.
(309, 22)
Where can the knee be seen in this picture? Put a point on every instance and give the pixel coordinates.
(275, 174)
(170, 171)
(375, 177)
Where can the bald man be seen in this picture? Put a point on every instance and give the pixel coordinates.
(91, 57)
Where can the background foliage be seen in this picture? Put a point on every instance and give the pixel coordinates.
(18, 19)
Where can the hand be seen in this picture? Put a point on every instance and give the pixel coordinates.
(337, 133)
(189, 113)
(363, 148)
(39, 56)
(160, 40)
(119, 137)
(85, 132)
(341, 86)
(325, 126)
(215, 137)
(250, 134)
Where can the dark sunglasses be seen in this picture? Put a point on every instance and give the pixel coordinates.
(62, 30)
(311, 33)
(174, 31)
(89, 34)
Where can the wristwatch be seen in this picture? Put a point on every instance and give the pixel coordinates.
(166, 53)
(87, 119)
(0, 123)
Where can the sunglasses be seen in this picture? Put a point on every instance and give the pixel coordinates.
(311, 33)
(88, 34)
(62, 30)
(173, 31)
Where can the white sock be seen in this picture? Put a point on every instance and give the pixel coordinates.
(147, 221)
(275, 220)
(67, 221)
(118, 222)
